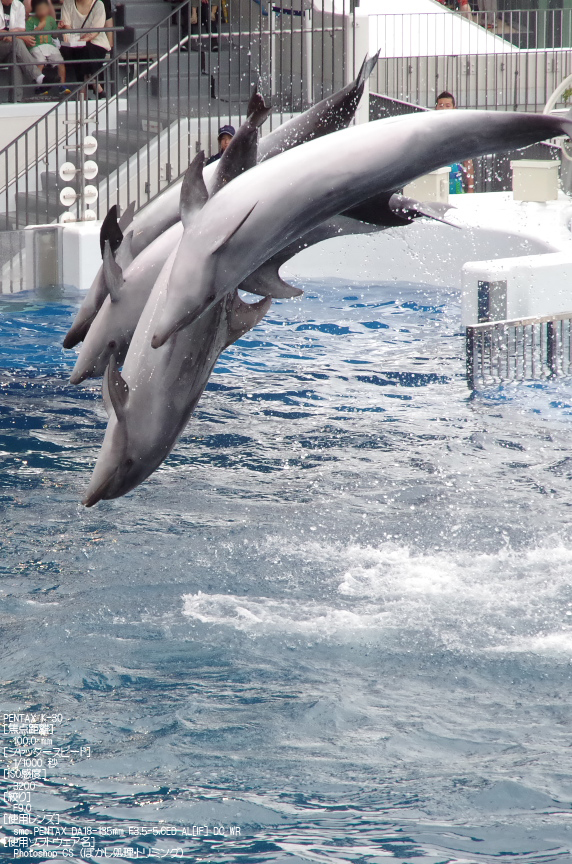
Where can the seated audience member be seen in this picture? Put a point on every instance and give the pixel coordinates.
(225, 136)
(44, 50)
(462, 174)
(84, 52)
(13, 19)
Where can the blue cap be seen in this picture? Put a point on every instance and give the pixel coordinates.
(227, 130)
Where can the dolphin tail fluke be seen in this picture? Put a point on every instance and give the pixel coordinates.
(244, 316)
(110, 231)
(194, 194)
(257, 111)
(113, 273)
(267, 283)
(126, 217)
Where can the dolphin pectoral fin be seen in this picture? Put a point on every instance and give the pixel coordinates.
(110, 231)
(115, 388)
(436, 210)
(222, 243)
(113, 273)
(267, 283)
(409, 208)
(194, 194)
(107, 404)
(257, 111)
(77, 333)
(126, 217)
(244, 316)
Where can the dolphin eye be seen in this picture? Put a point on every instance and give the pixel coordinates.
(112, 344)
(129, 463)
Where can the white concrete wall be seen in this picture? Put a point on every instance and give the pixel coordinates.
(535, 285)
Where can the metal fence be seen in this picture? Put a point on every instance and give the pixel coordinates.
(528, 349)
(166, 97)
(507, 60)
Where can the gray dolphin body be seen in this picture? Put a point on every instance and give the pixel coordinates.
(150, 404)
(329, 115)
(114, 326)
(281, 200)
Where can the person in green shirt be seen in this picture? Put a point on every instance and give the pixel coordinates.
(45, 51)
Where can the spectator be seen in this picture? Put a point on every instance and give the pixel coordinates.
(44, 50)
(225, 136)
(85, 53)
(13, 19)
(462, 174)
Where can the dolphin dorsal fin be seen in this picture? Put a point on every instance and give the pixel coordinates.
(124, 255)
(244, 316)
(113, 273)
(110, 231)
(126, 217)
(194, 194)
(266, 282)
(367, 68)
(257, 110)
(115, 389)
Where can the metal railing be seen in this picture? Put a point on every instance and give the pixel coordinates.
(166, 97)
(506, 60)
(525, 349)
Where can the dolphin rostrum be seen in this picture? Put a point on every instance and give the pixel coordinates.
(280, 200)
(159, 215)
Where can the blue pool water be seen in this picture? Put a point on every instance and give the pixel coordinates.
(338, 618)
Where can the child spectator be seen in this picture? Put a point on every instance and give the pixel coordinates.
(44, 50)
(13, 19)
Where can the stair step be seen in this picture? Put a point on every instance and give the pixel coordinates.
(125, 141)
(144, 14)
(39, 206)
(51, 181)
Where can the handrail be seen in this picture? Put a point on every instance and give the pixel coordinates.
(73, 95)
(521, 322)
(170, 93)
(107, 65)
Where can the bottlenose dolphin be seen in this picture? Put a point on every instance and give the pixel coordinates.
(159, 215)
(150, 403)
(278, 201)
(115, 323)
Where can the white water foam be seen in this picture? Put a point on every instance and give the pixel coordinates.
(515, 601)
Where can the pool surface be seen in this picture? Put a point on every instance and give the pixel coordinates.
(337, 620)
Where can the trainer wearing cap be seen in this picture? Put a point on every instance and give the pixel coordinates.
(225, 136)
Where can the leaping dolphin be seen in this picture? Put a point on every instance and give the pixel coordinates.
(141, 433)
(115, 323)
(282, 199)
(329, 115)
